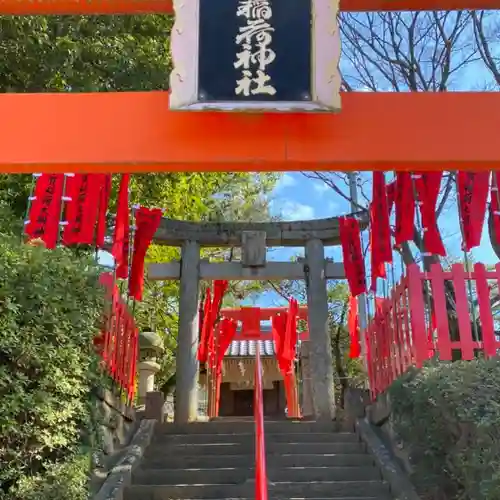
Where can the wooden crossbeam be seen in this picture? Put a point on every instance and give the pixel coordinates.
(86, 7)
(71, 132)
(273, 271)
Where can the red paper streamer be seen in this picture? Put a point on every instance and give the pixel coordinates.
(285, 340)
(427, 185)
(250, 322)
(122, 230)
(147, 221)
(405, 208)
(84, 191)
(354, 264)
(120, 339)
(380, 230)
(206, 349)
(279, 327)
(391, 196)
(290, 342)
(495, 205)
(203, 346)
(473, 194)
(103, 208)
(227, 331)
(353, 326)
(45, 210)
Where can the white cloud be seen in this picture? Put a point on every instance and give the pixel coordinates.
(291, 210)
(320, 187)
(333, 206)
(285, 181)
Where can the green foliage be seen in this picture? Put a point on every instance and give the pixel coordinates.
(448, 415)
(60, 481)
(50, 310)
(84, 53)
(123, 53)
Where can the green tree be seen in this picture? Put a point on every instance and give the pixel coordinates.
(50, 310)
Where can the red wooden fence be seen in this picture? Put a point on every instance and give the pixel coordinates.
(408, 328)
(119, 339)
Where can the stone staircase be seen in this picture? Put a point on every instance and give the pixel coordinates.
(305, 460)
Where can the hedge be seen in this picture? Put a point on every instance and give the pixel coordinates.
(448, 416)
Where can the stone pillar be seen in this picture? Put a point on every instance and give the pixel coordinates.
(186, 391)
(147, 372)
(150, 347)
(305, 363)
(320, 346)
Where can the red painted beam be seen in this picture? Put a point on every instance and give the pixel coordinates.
(266, 313)
(266, 336)
(136, 132)
(84, 7)
(87, 7)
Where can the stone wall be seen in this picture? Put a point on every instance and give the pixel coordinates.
(379, 416)
(117, 425)
(372, 421)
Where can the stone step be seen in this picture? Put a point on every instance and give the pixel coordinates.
(167, 461)
(247, 448)
(309, 437)
(238, 476)
(237, 427)
(327, 489)
(274, 497)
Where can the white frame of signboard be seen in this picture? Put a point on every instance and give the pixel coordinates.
(325, 74)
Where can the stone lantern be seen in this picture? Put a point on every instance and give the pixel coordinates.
(150, 347)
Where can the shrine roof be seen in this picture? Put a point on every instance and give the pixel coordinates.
(244, 348)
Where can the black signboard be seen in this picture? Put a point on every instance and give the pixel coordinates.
(254, 50)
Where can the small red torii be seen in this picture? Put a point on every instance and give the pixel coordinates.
(251, 317)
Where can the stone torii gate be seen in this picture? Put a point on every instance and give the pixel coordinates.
(254, 239)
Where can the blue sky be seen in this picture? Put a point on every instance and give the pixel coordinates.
(299, 197)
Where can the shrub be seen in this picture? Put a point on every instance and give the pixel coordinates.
(60, 481)
(50, 308)
(448, 415)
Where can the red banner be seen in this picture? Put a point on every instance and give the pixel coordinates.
(103, 208)
(84, 191)
(353, 326)
(354, 264)
(380, 230)
(203, 346)
(220, 289)
(405, 208)
(473, 193)
(290, 343)
(427, 185)
(495, 205)
(250, 322)
(121, 243)
(279, 327)
(45, 210)
(227, 331)
(391, 196)
(120, 339)
(147, 221)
